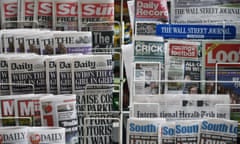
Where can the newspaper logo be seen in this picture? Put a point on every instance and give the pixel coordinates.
(10, 9)
(35, 139)
(98, 10)
(45, 8)
(7, 107)
(29, 8)
(3, 64)
(222, 53)
(22, 66)
(66, 9)
(183, 50)
(149, 128)
(13, 137)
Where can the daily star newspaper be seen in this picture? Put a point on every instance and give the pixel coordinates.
(184, 60)
(215, 130)
(143, 130)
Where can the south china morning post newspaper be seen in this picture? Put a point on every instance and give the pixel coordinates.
(143, 130)
(218, 131)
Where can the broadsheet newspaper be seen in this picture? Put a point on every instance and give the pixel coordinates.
(142, 130)
(220, 131)
(60, 111)
(183, 64)
(183, 107)
(92, 82)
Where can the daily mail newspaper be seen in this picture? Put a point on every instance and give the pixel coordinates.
(53, 135)
(155, 10)
(44, 14)
(60, 111)
(220, 131)
(95, 14)
(12, 134)
(143, 130)
(187, 131)
(65, 15)
(185, 107)
(28, 73)
(9, 13)
(166, 133)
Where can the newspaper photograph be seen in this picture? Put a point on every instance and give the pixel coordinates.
(204, 11)
(215, 130)
(65, 14)
(187, 107)
(143, 130)
(183, 64)
(187, 131)
(147, 76)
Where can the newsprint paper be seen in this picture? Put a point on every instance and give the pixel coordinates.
(182, 106)
(218, 131)
(143, 130)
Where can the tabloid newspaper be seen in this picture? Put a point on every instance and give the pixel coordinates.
(143, 130)
(28, 73)
(92, 82)
(166, 133)
(65, 14)
(204, 11)
(184, 63)
(184, 107)
(41, 135)
(73, 42)
(147, 76)
(27, 13)
(155, 10)
(187, 131)
(44, 13)
(60, 111)
(95, 14)
(46, 43)
(102, 41)
(7, 111)
(220, 131)
(9, 12)
(17, 135)
(146, 28)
